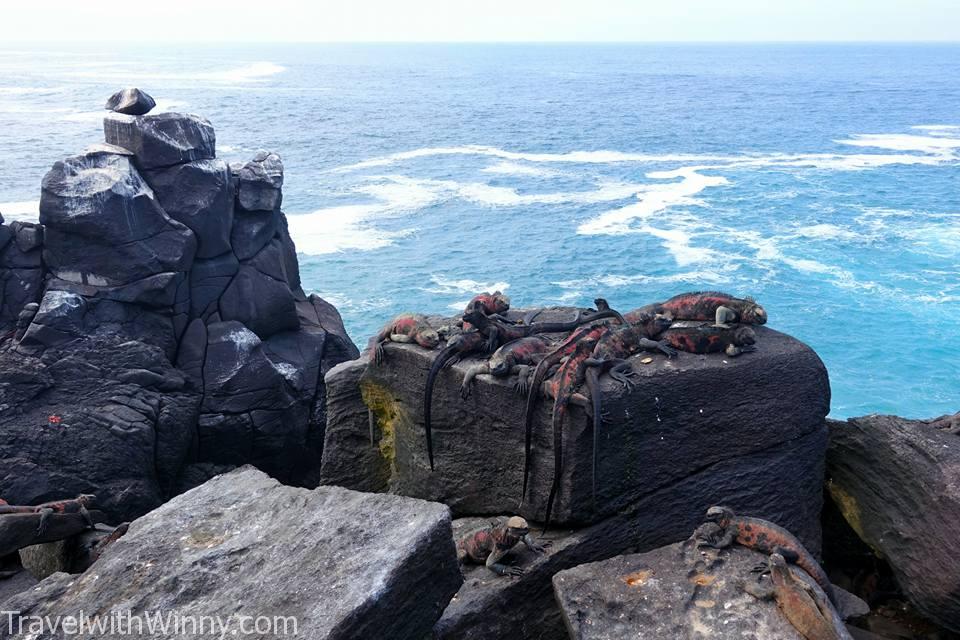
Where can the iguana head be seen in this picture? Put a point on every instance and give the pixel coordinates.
(779, 571)
(753, 313)
(721, 515)
(427, 337)
(86, 499)
(744, 335)
(518, 526)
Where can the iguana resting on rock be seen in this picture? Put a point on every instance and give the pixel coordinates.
(507, 359)
(489, 546)
(73, 505)
(713, 306)
(805, 606)
(489, 304)
(407, 327)
(759, 535)
(499, 332)
(704, 337)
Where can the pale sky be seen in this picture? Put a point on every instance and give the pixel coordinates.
(478, 20)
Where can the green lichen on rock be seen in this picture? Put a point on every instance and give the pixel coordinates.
(386, 410)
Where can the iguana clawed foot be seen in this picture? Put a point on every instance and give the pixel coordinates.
(666, 349)
(378, 354)
(625, 375)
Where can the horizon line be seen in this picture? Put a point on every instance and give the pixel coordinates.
(455, 42)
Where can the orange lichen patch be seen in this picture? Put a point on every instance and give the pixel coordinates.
(637, 578)
(705, 604)
(703, 580)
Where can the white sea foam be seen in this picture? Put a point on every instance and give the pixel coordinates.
(339, 229)
(445, 285)
(28, 210)
(612, 281)
(903, 142)
(516, 169)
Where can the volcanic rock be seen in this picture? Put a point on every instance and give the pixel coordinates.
(198, 194)
(162, 139)
(897, 483)
(131, 101)
(259, 182)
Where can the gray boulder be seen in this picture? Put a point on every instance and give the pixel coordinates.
(131, 101)
(261, 301)
(897, 483)
(199, 194)
(162, 139)
(208, 280)
(684, 416)
(338, 564)
(259, 182)
(671, 592)
(103, 226)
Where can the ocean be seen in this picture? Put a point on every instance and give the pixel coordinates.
(823, 180)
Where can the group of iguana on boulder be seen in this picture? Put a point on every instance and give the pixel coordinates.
(556, 358)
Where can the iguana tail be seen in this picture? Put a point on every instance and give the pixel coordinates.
(441, 360)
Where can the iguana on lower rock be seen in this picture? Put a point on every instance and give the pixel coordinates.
(406, 328)
(760, 535)
(807, 608)
(79, 505)
(489, 546)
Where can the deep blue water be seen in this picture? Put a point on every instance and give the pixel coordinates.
(821, 179)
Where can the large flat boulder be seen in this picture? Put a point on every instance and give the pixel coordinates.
(672, 592)
(336, 563)
(162, 139)
(897, 483)
(685, 415)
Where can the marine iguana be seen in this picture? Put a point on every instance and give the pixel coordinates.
(500, 332)
(489, 546)
(72, 505)
(489, 304)
(810, 613)
(721, 308)
(713, 306)
(507, 359)
(704, 337)
(760, 535)
(535, 383)
(406, 328)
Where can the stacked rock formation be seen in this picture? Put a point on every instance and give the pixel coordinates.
(156, 312)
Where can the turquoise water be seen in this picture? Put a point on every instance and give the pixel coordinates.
(821, 179)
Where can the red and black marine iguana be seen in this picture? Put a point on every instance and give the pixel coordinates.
(704, 337)
(79, 505)
(713, 306)
(508, 359)
(405, 328)
(805, 606)
(649, 325)
(489, 546)
(724, 527)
